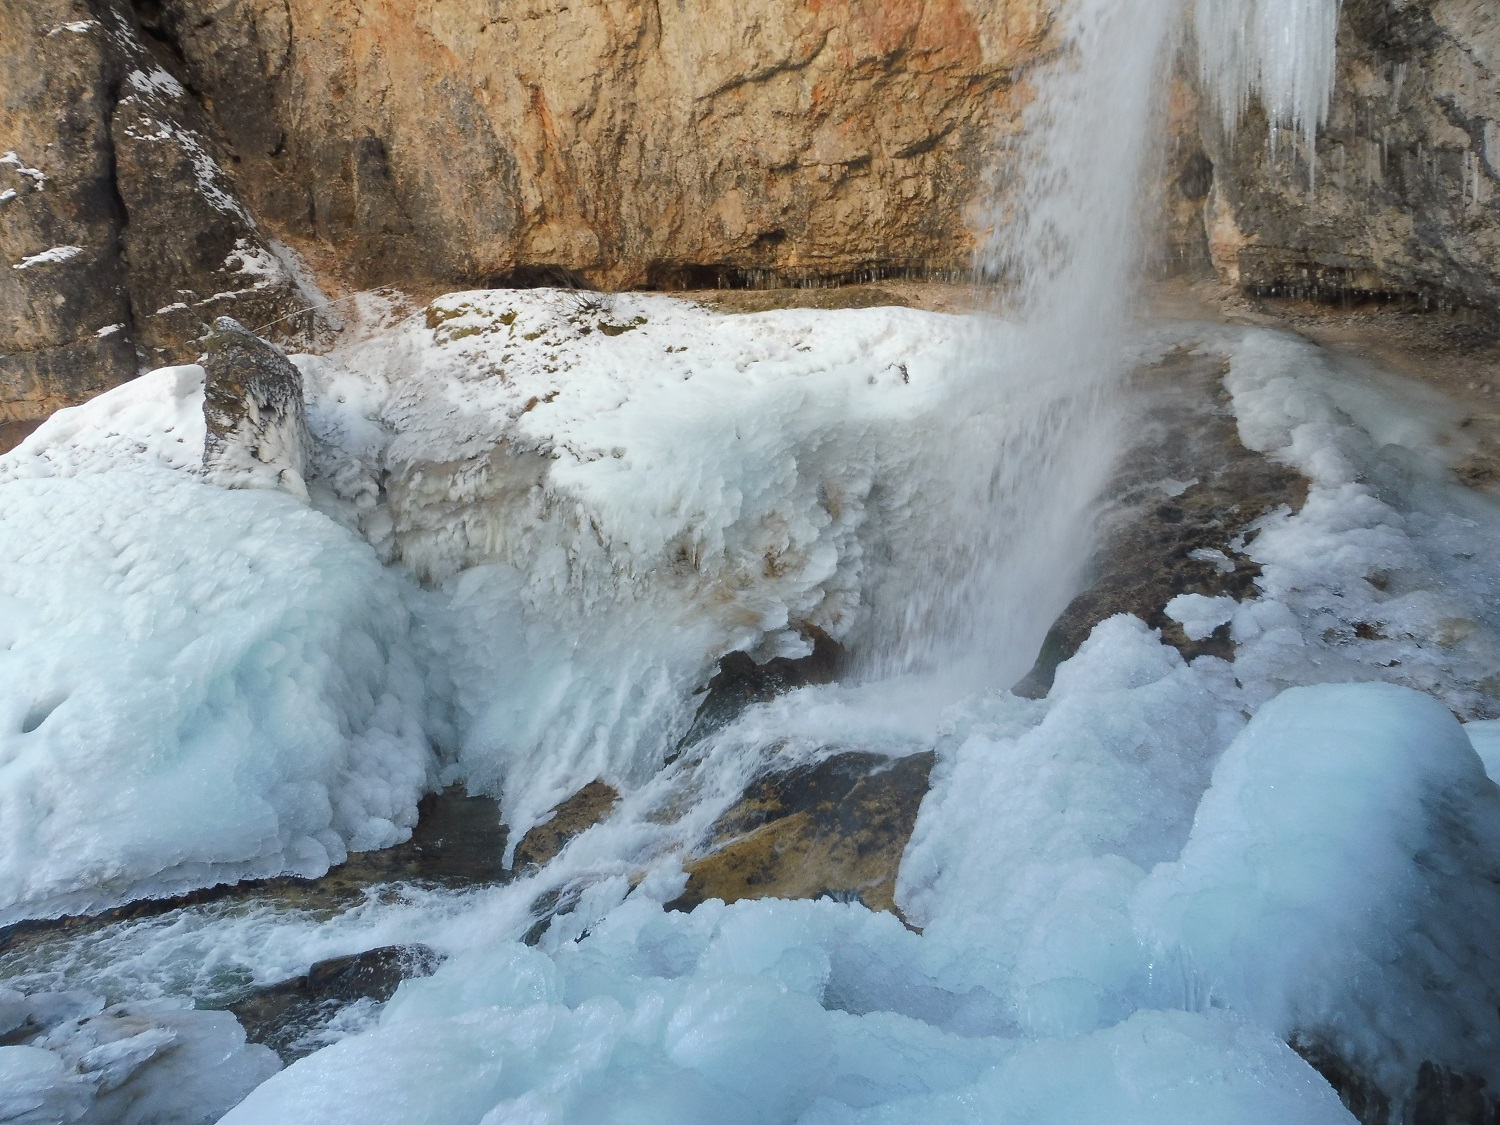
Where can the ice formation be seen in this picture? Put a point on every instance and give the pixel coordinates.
(200, 685)
(1341, 874)
(1090, 871)
(676, 484)
(150, 1063)
(1279, 51)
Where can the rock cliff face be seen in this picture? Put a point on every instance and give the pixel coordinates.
(1407, 197)
(120, 228)
(621, 142)
(155, 155)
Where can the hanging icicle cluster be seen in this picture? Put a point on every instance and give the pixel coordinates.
(1280, 51)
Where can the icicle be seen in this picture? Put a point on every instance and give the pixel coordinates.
(1280, 51)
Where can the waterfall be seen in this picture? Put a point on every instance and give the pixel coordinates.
(1067, 222)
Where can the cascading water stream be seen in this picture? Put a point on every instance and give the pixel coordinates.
(1068, 220)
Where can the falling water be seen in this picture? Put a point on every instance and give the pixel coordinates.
(1068, 220)
(1030, 448)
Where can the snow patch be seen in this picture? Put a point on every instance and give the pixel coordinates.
(157, 82)
(48, 257)
(35, 175)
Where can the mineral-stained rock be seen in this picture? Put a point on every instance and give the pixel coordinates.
(834, 829)
(256, 418)
(65, 317)
(570, 818)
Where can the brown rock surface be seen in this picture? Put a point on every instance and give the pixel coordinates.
(834, 829)
(625, 142)
(569, 819)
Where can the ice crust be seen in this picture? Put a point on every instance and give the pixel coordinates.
(200, 685)
(150, 1063)
(1130, 901)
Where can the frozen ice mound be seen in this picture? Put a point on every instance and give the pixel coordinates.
(761, 1012)
(199, 685)
(1042, 820)
(1342, 884)
(671, 484)
(149, 1063)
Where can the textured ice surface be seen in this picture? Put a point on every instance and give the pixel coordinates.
(1485, 737)
(1098, 943)
(674, 484)
(1342, 883)
(1199, 616)
(130, 1064)
(1387, 572)
(761, 1012)
(199, 685)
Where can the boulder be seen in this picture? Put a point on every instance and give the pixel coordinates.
(256, 418)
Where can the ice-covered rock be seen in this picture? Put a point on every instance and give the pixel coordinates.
(1342, 884)
(256, 420)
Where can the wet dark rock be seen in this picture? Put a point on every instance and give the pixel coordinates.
(836, 829)
(374, 973)
(459, 841)
(550, 904)
(1446, 1098)
(256, 418)
(1439, 1096)
(741, 682)
(1154, 546)
(569, 819)
(282, 1015)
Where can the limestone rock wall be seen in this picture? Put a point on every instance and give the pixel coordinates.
(1407, 196)
(121, 234)
(623, 142)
